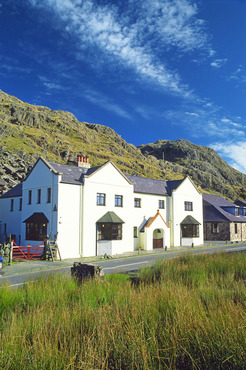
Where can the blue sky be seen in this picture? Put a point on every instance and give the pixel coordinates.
(152, 69)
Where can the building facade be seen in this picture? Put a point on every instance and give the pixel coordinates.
(93, 211)
(223, 220)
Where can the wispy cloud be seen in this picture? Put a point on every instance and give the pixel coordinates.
(218, 63)
(234, 153)
(239, 75)
(129, 34)
(105, 103)
(207, 121)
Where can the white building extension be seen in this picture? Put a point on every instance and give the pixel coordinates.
(100, 210)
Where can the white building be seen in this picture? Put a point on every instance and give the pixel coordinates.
(100, 210)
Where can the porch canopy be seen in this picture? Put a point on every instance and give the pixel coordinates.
(37, 218)
(189, 220)
(110, 217)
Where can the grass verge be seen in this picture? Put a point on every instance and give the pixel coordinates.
(185, 313)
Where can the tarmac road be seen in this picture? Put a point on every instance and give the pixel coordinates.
(18, 274)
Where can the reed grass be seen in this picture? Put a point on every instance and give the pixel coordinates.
(187, 313)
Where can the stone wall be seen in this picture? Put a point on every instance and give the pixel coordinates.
(226, 231)
(241, 231)
(223, 234)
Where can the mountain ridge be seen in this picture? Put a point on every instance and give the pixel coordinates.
(29, 131)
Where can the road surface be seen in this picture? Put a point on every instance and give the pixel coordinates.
(113, 266)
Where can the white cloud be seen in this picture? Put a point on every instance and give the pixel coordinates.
(130, 34)
(102, 101)
(239, 75)
(218, 63)
(233, 153)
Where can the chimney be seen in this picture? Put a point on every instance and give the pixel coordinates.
(83, 161)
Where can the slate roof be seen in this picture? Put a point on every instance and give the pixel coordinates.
(75, 175)
(153, 186)
(70, 174)
(148, 186)
(214, 211)
(16, 191)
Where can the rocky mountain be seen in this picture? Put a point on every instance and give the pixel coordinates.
(29, 131)
(207, 169)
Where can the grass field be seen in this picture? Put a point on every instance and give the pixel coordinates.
(186, 313)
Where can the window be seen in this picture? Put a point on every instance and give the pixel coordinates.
(137, 202)
(101, 199)
(118, 201)
(188, 206)
(38, 196)
(235, 226)
(20, 204)
(36, 231)
(236, 212)
(190, 231)
(243, 211)
(48, 195)
(161, 204)
(11, 205)
(29, 197)
(109, 231)
(135, 232)
(215, 228)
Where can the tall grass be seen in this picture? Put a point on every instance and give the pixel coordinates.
(187, 313)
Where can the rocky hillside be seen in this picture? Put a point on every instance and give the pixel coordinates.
(202, 164)
(28, 131)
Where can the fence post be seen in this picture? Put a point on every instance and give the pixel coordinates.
(28, 251)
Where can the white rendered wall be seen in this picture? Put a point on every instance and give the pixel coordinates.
(108, 180)
(42, 178)
(139, 216)
(69, 220)
(186, 192)
(157, 224)
(12, 219)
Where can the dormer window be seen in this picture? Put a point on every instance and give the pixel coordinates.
(236, 212)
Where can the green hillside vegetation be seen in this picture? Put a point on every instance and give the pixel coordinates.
(187, 313)
(28, 131)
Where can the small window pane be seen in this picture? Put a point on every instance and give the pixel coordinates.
(137, 202)
(161, 204)
(49, 195)
(101, 199)
(188, 206)
(29, 197)
(118, 201)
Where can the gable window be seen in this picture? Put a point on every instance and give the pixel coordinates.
(135, 232)
(11, 205)
(161, 204)
(118, 200)
(137, 202)
(20, 205)
(101, 199)
(190, 231)
(188, 206)
(109, 231)
(235, 227)
(29, 197)
(215, 229)
(38, 196)
(49, 195)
